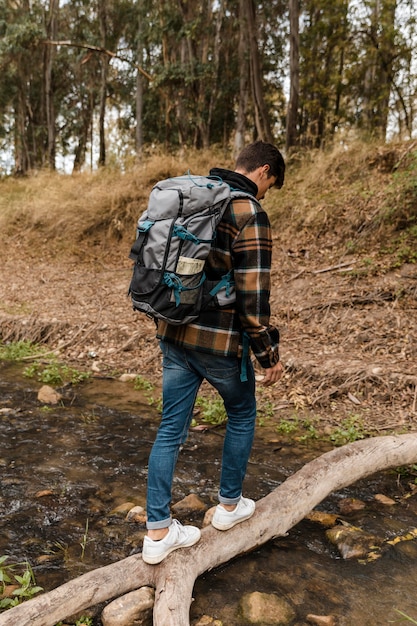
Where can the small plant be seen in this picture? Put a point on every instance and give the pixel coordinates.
(351, 429)
(288, 427)
(18, 350)
(25, 584)
(212, 410)
(55, 374)
(311, 431)
(84, 541)
(266, 410)
(405, 618)
(82, 621)
(141, 384)
(409, 472)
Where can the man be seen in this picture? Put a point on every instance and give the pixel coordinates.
(211, 348)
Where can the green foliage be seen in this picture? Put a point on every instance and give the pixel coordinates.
(408, 472)
(18, 350)
(84, 540)
(265, 411)
(82, 621)
(55, 374)
(212, 410)
(351, 429)
(301, 430)
(26, 584)
(288, 427)
(141, 384)
(400, 211)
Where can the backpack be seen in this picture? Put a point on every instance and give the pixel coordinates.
(174, 238)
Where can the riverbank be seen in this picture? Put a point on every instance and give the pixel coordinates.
(344, 283)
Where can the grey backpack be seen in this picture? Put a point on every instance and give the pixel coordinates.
(174, 237)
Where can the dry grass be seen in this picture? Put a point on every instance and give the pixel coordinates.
(346, 191)
(103, 204)
(352, 196)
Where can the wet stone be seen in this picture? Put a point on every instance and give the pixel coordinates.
(379, 497)
(190, 503)
(136, 514)
(352, 542)
(122, 509)
(48, 395)
(206, 620)
(208, 516)
(350, 505)
(321, 620)
(266, 608)
(324, 519)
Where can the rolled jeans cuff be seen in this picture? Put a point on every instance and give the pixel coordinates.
(224, 500)
(163, 523)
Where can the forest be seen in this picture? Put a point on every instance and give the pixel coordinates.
(87, 84)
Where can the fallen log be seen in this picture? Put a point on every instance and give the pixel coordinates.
(174, 578)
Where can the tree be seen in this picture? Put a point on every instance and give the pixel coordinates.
(49, 55)
(174, 578)
(323, 39)
(292, 111)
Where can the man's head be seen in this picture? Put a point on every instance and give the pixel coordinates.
(263, 163)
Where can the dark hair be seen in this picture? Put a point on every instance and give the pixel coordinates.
(262, 153)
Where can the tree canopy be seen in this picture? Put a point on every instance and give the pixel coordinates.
(99, 82)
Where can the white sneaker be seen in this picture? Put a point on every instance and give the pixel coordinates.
(178, 536)
(223, 520)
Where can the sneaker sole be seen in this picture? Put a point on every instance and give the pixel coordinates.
(227, 526)
(154, 560)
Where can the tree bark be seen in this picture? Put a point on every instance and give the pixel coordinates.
(263, 125)
(292, 111)
(239, 140)
(49, 55)
(103, 83)
(139, 86)
(174, 578)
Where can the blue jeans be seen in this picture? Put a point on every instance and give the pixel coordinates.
(183, 372)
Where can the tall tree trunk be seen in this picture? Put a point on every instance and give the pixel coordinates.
(378, 77)
(240, 132)
(103, 86)
(21, 150)
(83, 135)
(263, 126)
(292, 112)
(139, 85)
(174, 578)
(52, 29)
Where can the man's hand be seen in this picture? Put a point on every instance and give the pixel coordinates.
(272, 374)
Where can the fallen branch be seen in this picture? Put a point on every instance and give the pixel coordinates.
(332, 268)
(174, 578)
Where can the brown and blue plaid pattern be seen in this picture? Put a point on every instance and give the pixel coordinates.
(244, 243)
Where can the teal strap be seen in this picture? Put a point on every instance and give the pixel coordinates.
(245, 357)
(185, 235)
(173, 281)
(225, 281)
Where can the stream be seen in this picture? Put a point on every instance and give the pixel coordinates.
(66, 468)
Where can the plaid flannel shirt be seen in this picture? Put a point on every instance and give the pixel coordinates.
(244, 243)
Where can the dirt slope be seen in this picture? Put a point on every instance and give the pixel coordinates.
(346, 307)
(349, 342)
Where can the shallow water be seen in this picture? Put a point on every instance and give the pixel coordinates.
(64, 469)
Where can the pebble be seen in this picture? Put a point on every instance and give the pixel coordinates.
(48, 395)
